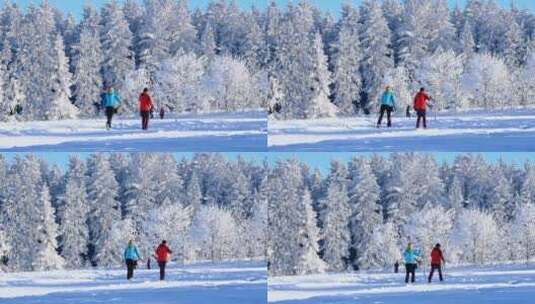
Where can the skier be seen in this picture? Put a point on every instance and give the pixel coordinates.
(148, 263)
(411, 258)
(408, 112)
(110, 102)
(162, 113)
(388, 105)
(420, 106)
(163, 254)
(131, 256)
(145, 108)
(396, 267)
(436, 262)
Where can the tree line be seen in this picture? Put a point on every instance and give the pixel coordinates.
(363, 213)
(304, 60)
(206, 207)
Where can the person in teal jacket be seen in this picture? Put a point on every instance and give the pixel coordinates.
(131, 256)
(388, 105)
(411, 258)
(111, 101)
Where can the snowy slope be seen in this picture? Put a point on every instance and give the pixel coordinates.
(503, 284)
(473, 131)
(235, 283)
(244, 131)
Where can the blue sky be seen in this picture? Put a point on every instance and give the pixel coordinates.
(75, 6)
(314, 160)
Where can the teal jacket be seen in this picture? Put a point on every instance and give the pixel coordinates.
(131, 253)
(110, 100)
(411, 256)
(388, 99)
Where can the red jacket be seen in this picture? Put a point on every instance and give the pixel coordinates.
(145, 102)
(436, 256)
(420, 101)
(162, 253)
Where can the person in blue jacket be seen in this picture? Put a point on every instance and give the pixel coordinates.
(388, 105)
(411, 258)
(111, 101)
(131, 256)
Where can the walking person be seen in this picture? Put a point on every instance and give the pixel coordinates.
(437, 259)
(388, 105)
(420, 106)
(145, 108)
(411, 258)
(111, 101)
(131, 256)
(163, 254)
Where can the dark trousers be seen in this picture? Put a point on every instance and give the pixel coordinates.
(145, 117)
(410, 270)
(388, 110)
(110, 111)
(439, 268)
(421, 117)
(162, 270)
(130, 266)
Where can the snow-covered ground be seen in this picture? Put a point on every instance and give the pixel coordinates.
(472, 131)
(229, 132)
(235, 283)
(499, 284)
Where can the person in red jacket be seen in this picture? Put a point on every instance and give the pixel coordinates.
(436, 262)
(420, 106)
(163, 254)
(145, 107)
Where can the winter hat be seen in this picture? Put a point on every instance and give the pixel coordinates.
(437, 245)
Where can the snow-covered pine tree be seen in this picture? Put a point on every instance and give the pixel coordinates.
(154, 44)
(366, 212)
(377, 57)
(45, 255)
(116, 40)
(319, 104)
(58, 104)
(87, 76)
(73, 216)
(183, 33)
(193, 195)
(346, 62)
(309, 260)
(467, 45)
(335, 217)
(104, 212)
(208, 46)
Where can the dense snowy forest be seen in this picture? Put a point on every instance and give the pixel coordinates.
(363, 213)
(223, 57)
(206, 207)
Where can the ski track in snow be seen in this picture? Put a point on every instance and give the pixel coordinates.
(237, 282)
(472, 131)
(500, 284)
(215, 132)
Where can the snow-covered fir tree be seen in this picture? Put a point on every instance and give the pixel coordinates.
(377, 57)
(116, 40)
(73, 216)
(87, 76)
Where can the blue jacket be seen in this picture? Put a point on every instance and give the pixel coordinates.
(388, 99)
(411, 256)
(110, 100)
(131, 253)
